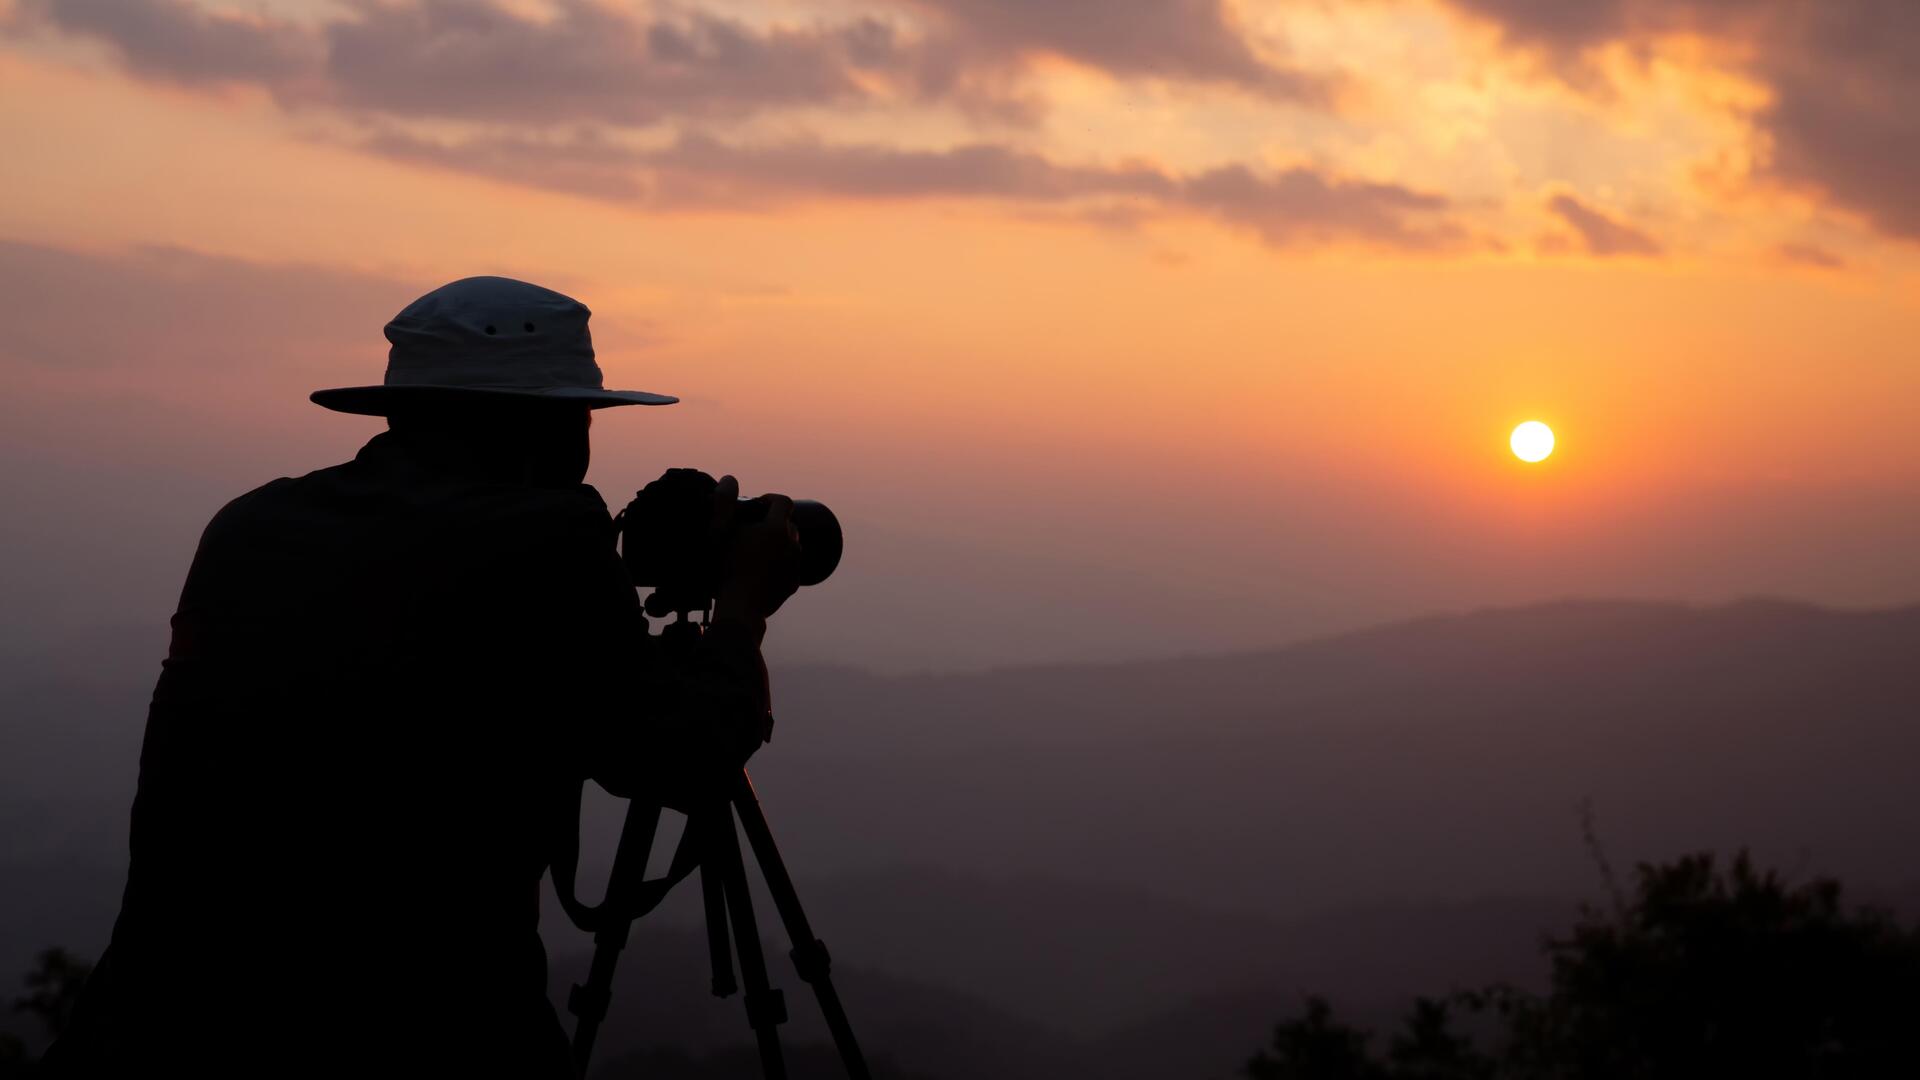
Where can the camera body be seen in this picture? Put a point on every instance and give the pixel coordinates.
(668, 542)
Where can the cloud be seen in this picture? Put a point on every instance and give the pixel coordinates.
(1599, 234)
(1177, 39)
(698, 168)
(586, 61)
(1810, 255)
(482, 60)
(171, 313)
(446, 58)
(1844, 119)
(1841, 121)
(582, 161)
(557, 98)
(1297, 207)
(179, 41)
(1303, 206)
(1569, 26)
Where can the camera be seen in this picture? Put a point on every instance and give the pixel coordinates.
(668, 543)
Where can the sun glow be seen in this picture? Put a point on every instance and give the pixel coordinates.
(1532, 441)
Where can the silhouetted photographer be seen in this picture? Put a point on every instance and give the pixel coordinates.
(386, 682)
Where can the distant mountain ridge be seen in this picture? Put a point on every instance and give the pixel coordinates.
(1112, 841)
(1416, 652)
(1443, 758)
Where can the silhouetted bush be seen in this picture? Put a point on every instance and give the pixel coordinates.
(1316, 1047)
(54, 985)
(1704, 971)
(53, 988)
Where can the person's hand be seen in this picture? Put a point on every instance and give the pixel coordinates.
(703, 759)
(762, 567)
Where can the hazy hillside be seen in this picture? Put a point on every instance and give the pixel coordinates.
(1439, 759)
(1124, 862)
(1768, 654)
(1024, 949)
(661, 998)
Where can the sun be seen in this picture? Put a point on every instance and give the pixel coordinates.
(1532, 441)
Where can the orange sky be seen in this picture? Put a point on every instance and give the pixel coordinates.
(1114, 328)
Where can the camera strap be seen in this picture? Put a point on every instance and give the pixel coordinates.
(564, 860)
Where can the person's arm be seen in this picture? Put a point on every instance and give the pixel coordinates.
(722, 707)
(644, 718)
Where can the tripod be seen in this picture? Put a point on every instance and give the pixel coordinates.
(711, 843)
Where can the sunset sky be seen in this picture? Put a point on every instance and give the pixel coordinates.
(1113, 328)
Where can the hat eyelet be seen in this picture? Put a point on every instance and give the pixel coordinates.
(529, 328)
(490, 330)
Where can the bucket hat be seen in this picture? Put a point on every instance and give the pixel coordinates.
(487, 337)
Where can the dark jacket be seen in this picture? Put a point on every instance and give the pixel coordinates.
(386, 680)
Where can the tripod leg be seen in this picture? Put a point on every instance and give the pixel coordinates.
(766, 1007)
(588, 1001)
(713, 897)
(809, 953)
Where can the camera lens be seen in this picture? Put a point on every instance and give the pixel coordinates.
(820, 540)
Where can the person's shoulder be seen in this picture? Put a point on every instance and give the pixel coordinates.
(263, 502)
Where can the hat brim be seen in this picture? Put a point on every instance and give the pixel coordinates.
(384, 400)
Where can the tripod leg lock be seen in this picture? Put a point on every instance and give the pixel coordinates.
(766, 1008)
(588, 1002)
(810, 959)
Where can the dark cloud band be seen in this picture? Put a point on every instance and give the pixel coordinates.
(1600, 234)
(593, 63)
(1297, 207)
(1175, 39)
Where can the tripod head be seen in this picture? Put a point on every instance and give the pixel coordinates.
(681, 631)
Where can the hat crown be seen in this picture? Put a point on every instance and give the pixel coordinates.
(487, 337)
(492, 333)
